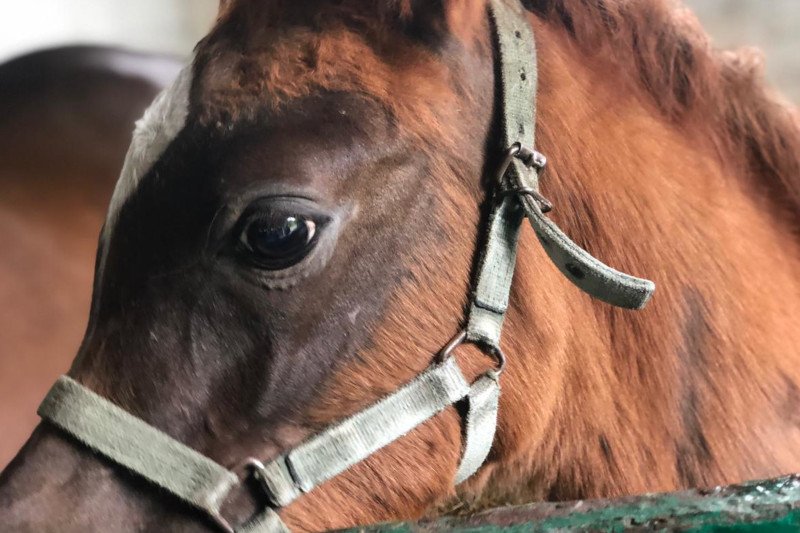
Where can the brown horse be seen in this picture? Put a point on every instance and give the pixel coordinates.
(65, 120)
(359, 137)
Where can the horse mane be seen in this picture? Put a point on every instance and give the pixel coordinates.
(722, 93)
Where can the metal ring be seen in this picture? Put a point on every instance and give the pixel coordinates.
(256, 469)
(500, 356)
(510, 154)
(461, 338)
(529, 157)
(253, 466)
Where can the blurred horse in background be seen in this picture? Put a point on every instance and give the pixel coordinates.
(66, 115)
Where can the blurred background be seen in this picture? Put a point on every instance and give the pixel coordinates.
(171, 26)
(65, 123)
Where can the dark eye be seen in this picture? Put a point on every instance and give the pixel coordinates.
(276, 243)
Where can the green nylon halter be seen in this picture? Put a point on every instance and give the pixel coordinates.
(202, 483)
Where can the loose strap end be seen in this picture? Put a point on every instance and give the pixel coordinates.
(582, 269)
(481, 425)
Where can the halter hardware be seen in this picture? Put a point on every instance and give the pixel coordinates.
(495, 352)
(202, 483)
(531, 159)
(258, 471)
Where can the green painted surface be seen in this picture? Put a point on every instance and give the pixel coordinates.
(772, 505)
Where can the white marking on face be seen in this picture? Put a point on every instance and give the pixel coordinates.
(154, 132)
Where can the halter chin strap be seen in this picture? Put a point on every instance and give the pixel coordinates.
(204, 484)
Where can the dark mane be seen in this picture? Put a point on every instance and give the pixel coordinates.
(721, 92)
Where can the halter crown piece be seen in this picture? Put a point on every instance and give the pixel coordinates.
(202, 483)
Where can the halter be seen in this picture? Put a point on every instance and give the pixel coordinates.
(202, 483)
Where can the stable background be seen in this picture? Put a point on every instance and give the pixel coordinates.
(174, 26)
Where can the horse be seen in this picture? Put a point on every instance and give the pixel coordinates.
(296, 231)
(65, 118)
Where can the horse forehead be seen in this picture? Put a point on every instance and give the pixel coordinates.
(234, 84)
(339, 114)
(226, 84)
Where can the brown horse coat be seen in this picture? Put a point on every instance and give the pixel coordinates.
(668, 160)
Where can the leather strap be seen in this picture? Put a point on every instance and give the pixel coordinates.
(518, 69)
(495, 273)
(581, 268)
(516, 48)
(199, 481)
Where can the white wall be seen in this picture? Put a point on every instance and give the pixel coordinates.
(159, 25)
(772, 25)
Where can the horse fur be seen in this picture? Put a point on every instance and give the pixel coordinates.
(667, 159)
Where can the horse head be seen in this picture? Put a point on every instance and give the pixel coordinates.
(291, 239)
(330, 189)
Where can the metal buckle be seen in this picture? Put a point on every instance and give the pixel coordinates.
(531, 159)
(254, 467)
(461, 338)
(258, 472)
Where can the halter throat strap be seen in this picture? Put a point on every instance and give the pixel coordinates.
(202, 483)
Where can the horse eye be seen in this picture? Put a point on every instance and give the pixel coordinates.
(278, 243)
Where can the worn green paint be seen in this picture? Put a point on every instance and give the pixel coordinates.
(772, 505)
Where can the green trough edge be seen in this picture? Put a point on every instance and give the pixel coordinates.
(772, 505)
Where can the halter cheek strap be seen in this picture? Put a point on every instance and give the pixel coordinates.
(202, 483)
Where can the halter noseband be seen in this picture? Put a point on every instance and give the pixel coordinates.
(204, 484)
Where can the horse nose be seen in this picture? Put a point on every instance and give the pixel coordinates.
(38, 488)
(52, 485)
(56, 485)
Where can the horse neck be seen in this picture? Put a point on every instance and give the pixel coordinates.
(601, 402)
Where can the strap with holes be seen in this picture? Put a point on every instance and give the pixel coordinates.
(518, 82)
